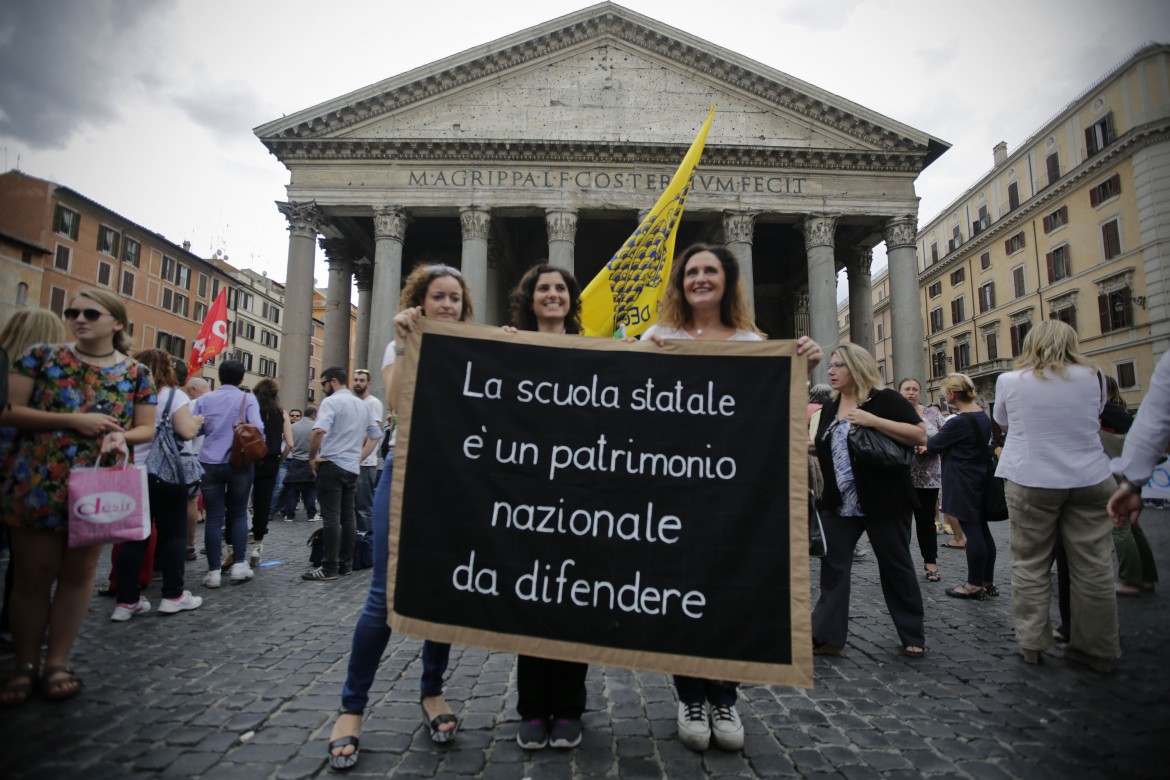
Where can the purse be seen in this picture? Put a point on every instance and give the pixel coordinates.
(871, 447)
(995, 506)
(167, 459)
(818, 547)
(108, 504)
(248, 445)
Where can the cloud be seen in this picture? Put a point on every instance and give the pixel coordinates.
(67, 64)
(817, 16)
(229, 110)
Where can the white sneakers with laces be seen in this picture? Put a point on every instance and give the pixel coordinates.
(726, 727)
(184, 602)
(241, 572)
(693, 729)
(124, 612)
(212, 579)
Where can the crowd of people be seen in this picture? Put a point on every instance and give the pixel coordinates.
(75, 401)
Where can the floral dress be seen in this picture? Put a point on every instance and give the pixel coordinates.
(926, 471)
(36, 489)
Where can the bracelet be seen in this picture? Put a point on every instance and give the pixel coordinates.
(399, 350)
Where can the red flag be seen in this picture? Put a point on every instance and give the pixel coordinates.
(213, 335)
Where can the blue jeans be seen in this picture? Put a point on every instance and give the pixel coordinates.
(304, 491)
(280, 475)
(363, 502)
(372, 633)
(225, 494)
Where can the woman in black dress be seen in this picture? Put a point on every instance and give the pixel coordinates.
(962, 442)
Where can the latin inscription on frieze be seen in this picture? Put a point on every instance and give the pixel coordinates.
(498, 178)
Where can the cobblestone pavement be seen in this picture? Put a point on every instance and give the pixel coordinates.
(247, 686)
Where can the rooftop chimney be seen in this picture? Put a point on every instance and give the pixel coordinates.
(999, 153)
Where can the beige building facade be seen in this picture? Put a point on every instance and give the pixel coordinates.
(554, 141)
(1073, 225)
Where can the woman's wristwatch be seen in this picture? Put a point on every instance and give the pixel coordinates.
(1128, 485)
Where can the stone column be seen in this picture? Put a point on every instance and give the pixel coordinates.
(907, 337)
(297, 329)
(339, 254)
(822, 285)
(738, 228)
(562, 232)
(475, 221)
(389, 232)
(861, 298)
(364, 274)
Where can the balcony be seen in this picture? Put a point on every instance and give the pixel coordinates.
(989, 368)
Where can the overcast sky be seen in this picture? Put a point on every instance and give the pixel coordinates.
(148, 107)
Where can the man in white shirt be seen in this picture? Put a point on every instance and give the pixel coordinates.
(343, 436)
(368, 476)
(1145, 444)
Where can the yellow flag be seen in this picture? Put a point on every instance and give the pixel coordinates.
(625, 295)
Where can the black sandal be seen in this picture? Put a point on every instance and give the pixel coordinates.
(961, 592)
(932, 576)
(990, 590)
(53, 689)
(344, 761)
(19, 685)
(437, 736)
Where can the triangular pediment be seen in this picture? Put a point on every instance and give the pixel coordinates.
(604, 75)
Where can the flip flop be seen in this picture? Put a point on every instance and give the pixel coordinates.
(913, 652)
(954, 546)
(932, 576)
(344, 762)
(438, 736)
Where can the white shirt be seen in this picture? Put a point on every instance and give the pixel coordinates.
(388, 360)
(376, 413)
(1052, 428)
(141, 451)
(667, 332)
(1148, 438)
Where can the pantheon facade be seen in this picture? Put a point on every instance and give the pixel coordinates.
(554, 141)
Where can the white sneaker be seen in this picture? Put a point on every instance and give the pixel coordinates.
(241, 572)
(315, 518)
(254, 554)
(124, 612)
(693, 729)
(726, 727)
(212, 579)
(186, 601)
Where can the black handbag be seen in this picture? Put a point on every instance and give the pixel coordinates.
(817, 546)
(995, 506)
(871, 447)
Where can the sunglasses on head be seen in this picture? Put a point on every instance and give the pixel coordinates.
(443, 270)
(91, 315)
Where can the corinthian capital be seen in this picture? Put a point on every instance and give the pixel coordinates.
(739, 227)
(363, 272)
(861, 263)
(561, 224)
(391, 222)
(901, 231)
(819, 230)
(303, 218)
(475, 221)
(340, 252)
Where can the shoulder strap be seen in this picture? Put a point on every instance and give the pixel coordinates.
(167, 409)
(243, 401)
(978, 436)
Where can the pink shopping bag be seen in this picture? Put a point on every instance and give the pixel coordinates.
(108, 504)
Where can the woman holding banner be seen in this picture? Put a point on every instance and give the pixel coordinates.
(862, 498)
(440, 292)
(705, 301)
(551, 692)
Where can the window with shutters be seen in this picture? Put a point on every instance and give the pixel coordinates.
(1111, 239)
(1019, 333)
(1126, 375)
(1059, 262)
(1106, 190)
(103, 274)
(986, 297)
(244, 301)
(1013, 196)
(200, 312)
(202, 285)
(1052, 164)
(131, 251)
(168, 298)
(938, 362)
(934, 253)
(63, 258)
(66, 222)
(108, 241)
(935, 289)
(958, 310)
(962, 355)
(57, 301)
(183, 276)
(1018, 281)
(1066, 314)
(981, 224)
(936, 320)
(21, 294)
(1115, 309)
(1099, 135)
(985, 261)
(248, 331)
(1015, 243)
(958, 276)
(1056, 219)
(246, 359)
(168, 268)
(991, 342)
(127, 284)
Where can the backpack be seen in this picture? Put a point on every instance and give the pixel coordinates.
(248, 444)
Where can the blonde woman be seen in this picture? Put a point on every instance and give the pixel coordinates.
(861, 499)
(1058, 485)
(72, 403)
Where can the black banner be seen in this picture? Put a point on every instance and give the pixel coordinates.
(600, 501)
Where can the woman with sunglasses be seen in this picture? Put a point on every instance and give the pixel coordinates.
(705, 301)
(551, 692)
(72, 404)
(440, 292)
